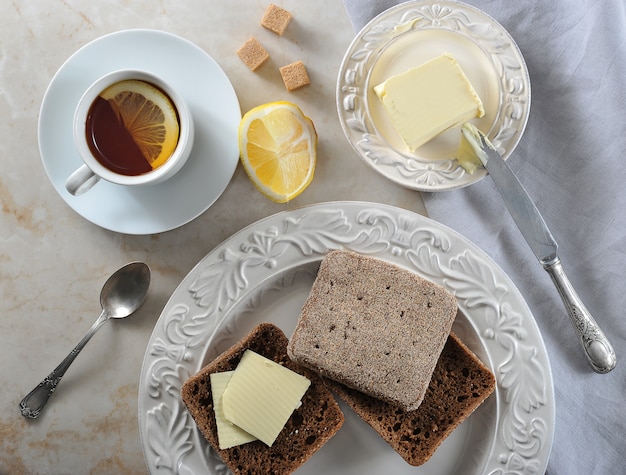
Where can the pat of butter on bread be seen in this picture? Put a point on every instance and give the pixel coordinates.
(429, 99)
(261, 396)
(228, 434)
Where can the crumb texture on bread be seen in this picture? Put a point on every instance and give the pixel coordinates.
(374, 327)
(460, 383)
(307, 430)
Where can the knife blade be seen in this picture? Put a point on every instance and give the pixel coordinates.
(531, 224)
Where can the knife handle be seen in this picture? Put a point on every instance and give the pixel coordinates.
(597, 348)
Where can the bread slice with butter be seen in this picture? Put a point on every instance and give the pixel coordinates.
(374, 327)
(460, 383)
(307, 430)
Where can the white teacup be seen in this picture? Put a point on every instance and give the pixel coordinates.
(92, 170)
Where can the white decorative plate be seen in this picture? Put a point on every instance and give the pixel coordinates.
(406, 36)
(265, 272)
(215, 108)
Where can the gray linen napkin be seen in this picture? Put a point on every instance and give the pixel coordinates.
(572, 161)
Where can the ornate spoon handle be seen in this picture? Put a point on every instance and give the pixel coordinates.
(597, 348)
(32, 405)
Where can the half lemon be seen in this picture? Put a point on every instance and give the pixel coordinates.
(277, 144)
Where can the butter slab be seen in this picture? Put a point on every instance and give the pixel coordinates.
(228, 434)
(262, 395)
(427, 100)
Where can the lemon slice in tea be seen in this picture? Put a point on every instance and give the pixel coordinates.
(278, 143)
(148, 115)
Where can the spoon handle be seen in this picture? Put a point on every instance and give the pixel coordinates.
(32, 405)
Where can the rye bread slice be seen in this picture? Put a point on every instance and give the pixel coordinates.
(374, 327)
(307, 430)
(460, 383)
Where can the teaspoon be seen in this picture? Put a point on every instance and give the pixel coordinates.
(122, 294)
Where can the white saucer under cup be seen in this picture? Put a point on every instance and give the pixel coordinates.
(214, 106)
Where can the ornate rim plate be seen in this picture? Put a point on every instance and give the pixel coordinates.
(264, 273)
(408, 35)
(214, 105)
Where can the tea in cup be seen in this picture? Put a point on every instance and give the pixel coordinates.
(130, 128)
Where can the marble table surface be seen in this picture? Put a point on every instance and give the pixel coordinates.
(53, 262)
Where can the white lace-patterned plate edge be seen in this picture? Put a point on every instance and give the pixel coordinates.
(248, 279)
(214, 105)
(405, 36)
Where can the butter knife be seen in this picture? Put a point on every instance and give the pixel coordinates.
(597, 347)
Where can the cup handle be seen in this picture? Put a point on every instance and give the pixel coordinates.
(81, 181)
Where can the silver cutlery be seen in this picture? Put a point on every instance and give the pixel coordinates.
(597, 347)
(122, 294)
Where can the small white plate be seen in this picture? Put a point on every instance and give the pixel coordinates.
(214, 105)
(265, 272)
(406, 36)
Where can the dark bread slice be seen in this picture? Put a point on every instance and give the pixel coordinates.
(307, 430)
(460, 383)
(373, 326)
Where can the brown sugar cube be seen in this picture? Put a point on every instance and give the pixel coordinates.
(276, 19)
(294, 75)
(253, 54)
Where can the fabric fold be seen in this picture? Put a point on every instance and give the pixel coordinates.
(571, 161)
